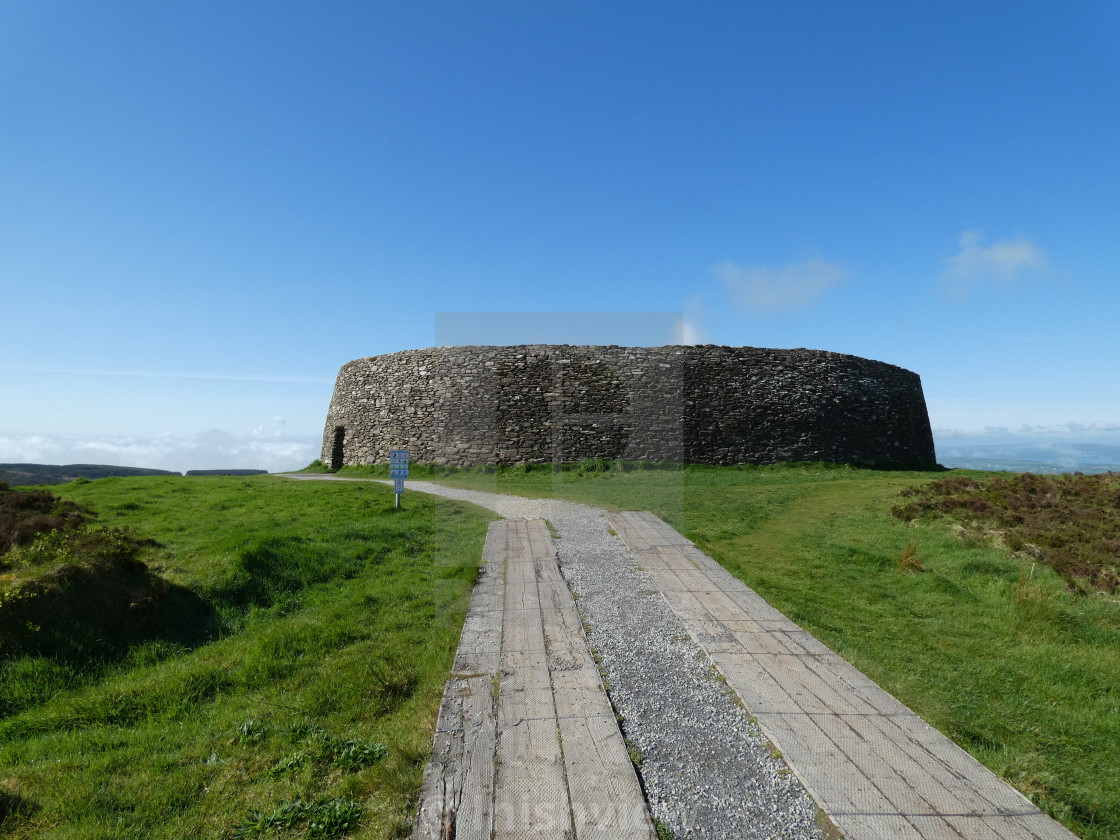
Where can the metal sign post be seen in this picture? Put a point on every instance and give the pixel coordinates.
(398, 471)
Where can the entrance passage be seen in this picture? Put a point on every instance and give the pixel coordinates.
(337, 448)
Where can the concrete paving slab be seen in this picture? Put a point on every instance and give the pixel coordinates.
(872, 765)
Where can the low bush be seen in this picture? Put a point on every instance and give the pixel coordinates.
(24, 514)
(1071, 522)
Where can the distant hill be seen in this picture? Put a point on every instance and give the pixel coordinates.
(1020, 466)
(15, 474)
(227, 472)
(1036, 457)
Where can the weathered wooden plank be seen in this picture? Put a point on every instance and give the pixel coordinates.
(521, 631)
(862, 693)
(437, 802)
(811, 693)
(521, 627)
(481, 639)
(759, 641)
(561, 623)
(927, 787)
(458, 782)
(938, 754)
(475, 817)
(531, 794)
(1037, 826)
(867, 754)
(606, 799)
(531, 798)
(759, 691)
(819, 764)
(517, 543)
(972, 828)
(520, 595)
(571, 658)
(480, 647)
(540, 540)
(580, 694)
(881, 827)
(516, 705)
(525, 669)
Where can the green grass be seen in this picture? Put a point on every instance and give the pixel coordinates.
(333, 619)
(300, 700)
(992, 650)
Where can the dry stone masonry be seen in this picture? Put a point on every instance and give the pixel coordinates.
(705, 404)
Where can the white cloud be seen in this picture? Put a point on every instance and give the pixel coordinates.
(215, 449)
(765, 289)
(1004, 261)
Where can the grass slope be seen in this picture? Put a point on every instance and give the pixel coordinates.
(304, 709)
(991, 649)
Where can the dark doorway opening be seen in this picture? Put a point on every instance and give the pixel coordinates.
(337, 448)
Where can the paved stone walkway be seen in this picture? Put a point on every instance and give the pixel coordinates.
(527, 745)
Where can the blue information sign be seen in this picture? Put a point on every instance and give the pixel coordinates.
(398, 471)
(398, 463)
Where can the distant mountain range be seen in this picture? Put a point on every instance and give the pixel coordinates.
(1033, 457)
(60, 474)
(1009, 457)
(16, 474)
(227, 472)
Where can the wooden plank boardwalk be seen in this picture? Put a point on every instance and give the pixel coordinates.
(877, 769)
(527, 745)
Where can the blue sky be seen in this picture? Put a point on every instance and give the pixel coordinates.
(207, 208)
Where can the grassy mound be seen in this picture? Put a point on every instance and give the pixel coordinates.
(295, 692)
(84, 597)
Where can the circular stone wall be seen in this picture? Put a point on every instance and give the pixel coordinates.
(560, 403)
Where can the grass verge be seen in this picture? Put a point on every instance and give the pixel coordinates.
(298, 701)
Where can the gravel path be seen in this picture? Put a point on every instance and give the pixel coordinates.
(706, 769)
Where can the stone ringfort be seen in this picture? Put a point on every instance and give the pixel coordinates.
(705, 404)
